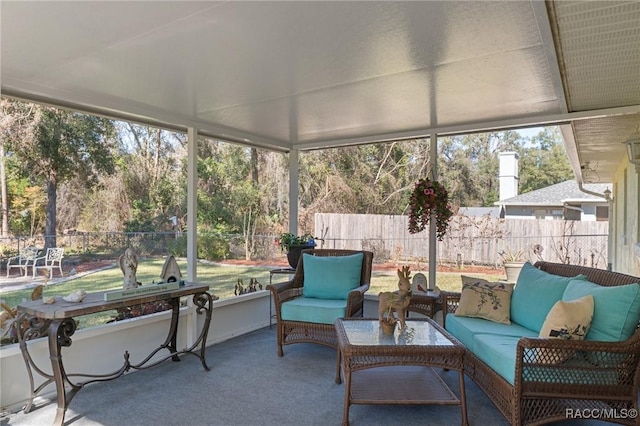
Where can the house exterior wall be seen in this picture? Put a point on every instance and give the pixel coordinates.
(587, 213)
(625, 232)
(533, 212)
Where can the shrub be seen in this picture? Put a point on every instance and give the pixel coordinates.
(210, 246)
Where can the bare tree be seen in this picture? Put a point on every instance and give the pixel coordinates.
(65, 145)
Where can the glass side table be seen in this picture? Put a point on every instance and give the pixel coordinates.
(272, 272)
(425, 303)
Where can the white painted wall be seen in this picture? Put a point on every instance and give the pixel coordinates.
(588, 212)
(509, 176)
(626, 226)
(100, 350)
(529, 212)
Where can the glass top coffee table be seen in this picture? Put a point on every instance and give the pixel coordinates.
(397, 369)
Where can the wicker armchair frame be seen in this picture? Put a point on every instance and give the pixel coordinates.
(290, 332)
(602, 376)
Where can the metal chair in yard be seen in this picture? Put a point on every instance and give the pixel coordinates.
(23, 260)
(53, 259)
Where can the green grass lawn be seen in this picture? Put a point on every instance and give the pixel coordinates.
(448, 281)
(221, 279)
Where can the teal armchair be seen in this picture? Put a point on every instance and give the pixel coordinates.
(328, 284)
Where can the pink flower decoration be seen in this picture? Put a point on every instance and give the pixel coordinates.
(429, 197)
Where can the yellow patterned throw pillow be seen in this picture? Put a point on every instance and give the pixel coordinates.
(491, 301)
(566, 320)
(569, 320)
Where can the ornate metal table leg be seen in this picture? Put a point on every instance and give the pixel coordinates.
(173, 330)
(60, 332)
(170, 342)
(27, 359)
(203, 302)
(36, 328)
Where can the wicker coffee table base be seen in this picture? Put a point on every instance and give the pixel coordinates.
(384, 371)
(400, 385)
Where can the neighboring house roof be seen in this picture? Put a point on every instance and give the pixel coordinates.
(558, 195)
(479, 211)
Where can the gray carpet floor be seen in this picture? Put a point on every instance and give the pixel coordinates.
(248, 385)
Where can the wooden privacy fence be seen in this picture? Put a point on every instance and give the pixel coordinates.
(470, 240)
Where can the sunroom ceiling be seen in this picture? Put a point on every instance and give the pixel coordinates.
(599, 44)
(304, 75)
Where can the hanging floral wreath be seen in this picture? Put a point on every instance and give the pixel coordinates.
(429, 196)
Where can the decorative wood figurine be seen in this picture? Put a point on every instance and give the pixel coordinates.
(171, 271)
(388, 302)
(129, 265)
(76, 297)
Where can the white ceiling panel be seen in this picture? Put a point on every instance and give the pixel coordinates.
(601, 46)
(288, 71)
(312, 74)
(600, 57)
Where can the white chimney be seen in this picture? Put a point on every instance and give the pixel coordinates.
(508, 175)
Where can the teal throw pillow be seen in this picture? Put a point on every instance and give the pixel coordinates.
(331, 277)
(534, 295)
(616, 311)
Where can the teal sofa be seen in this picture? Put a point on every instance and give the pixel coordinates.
(510, 363)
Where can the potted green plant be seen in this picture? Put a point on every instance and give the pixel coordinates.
(512, 260)
(294, 244)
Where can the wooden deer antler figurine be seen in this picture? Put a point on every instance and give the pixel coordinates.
(389, 302)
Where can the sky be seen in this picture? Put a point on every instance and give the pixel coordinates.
(532, 131)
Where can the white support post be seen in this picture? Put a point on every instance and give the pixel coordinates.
(433, 159)
(293, 190)
(192, 203)
(610, 229)
(192, 231)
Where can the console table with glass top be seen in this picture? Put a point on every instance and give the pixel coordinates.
(397, 368)
(57, 321)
